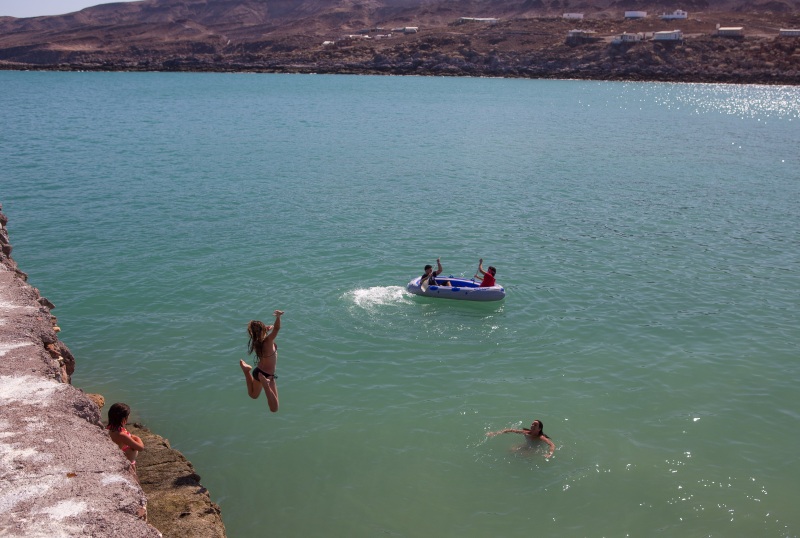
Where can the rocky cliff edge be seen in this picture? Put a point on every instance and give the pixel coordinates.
(60, 474)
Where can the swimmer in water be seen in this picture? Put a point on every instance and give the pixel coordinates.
(535, 433)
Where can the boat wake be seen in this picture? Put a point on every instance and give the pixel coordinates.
(371, 298)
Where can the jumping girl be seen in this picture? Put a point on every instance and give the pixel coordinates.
(262, 343)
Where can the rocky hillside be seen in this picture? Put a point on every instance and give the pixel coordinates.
(529, 39)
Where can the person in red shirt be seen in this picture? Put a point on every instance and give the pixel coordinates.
(488, 276)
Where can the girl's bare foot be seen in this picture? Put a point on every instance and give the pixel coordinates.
(246, 368)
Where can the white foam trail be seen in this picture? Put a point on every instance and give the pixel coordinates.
(370, 298)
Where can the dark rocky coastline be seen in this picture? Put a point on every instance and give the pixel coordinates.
(61, 473)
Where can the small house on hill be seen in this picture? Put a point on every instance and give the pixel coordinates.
(581, 36)
(485, 20)
(573, 16)
(674, 35)
(628, 38)
(677, 14)
(789, 32)
(730, 31)
(635, 14)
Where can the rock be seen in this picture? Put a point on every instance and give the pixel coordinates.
(177, 504)
(60, 473)
(98, 400)
(46, 303)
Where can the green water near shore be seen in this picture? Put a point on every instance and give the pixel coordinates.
(647, 235)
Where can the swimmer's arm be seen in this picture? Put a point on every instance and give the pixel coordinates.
(480, 267)
(549, 442)
(507, 430)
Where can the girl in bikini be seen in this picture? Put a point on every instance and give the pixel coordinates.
(262, 342)
(534, 434)
(130, 444)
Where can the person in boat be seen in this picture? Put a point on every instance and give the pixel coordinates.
(262, 343)
(429, 278)
(533, 435)
(488, 276)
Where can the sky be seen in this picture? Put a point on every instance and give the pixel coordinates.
(36, 8)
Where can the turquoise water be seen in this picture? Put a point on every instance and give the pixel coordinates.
(647, 236)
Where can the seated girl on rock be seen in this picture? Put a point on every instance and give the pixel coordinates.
(130, 444)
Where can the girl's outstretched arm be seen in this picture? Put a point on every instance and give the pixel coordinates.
(507, 430)
(277, 326)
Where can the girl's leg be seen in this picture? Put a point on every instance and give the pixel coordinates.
(271, 391)
(253, 388)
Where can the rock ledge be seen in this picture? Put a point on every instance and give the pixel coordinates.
(60, 474)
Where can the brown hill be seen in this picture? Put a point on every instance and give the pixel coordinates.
(287, 35)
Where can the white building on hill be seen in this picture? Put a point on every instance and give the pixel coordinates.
(674, 35)
(635, 14)
(487, 20)
(628, 38)
(730, 31)
(677, 14)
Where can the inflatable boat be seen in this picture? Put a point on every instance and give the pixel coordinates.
(460, 288)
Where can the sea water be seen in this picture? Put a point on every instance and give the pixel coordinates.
(647, 235)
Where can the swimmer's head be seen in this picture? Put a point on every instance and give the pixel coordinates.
(428, 269)
(492, 270)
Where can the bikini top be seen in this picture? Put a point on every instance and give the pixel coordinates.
(274, 352)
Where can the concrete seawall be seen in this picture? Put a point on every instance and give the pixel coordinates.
(60, 474)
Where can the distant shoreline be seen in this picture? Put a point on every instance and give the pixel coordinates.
(743, 79)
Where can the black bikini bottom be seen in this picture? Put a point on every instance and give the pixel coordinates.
(258, 371)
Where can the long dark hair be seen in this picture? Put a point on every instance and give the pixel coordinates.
(116, 414)
(541, 428)
(258, 333)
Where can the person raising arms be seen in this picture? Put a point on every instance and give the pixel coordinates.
(429, 278)
(262, 343)
(533, 434)
(488, 276)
